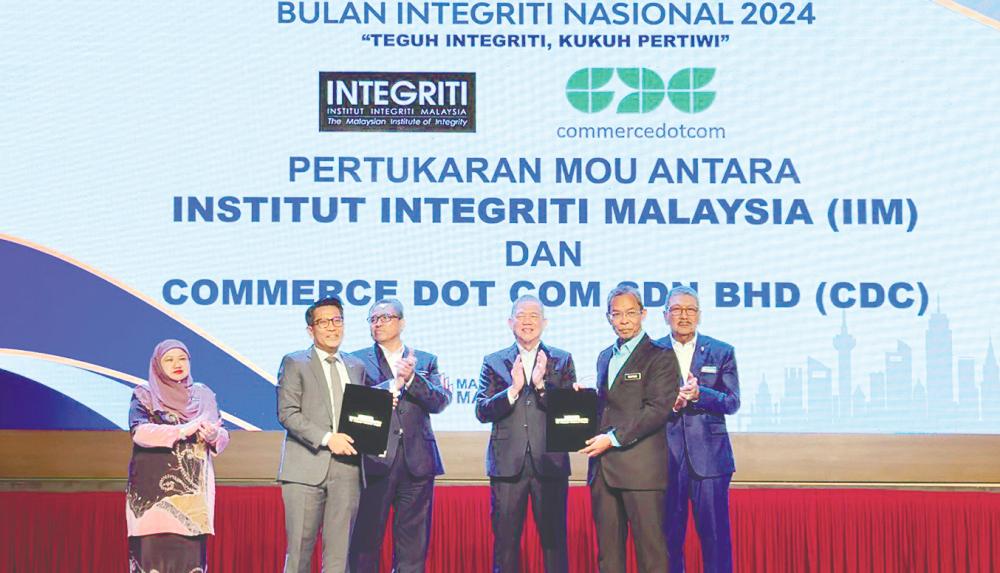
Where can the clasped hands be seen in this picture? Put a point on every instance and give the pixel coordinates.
(207, 431)
(404, 371)
(537, 374)
(689, 393)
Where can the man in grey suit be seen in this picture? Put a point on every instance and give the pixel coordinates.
(511, 396)
(320, 473)
(637, 384)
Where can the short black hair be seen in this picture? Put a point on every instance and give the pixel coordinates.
(332, 300)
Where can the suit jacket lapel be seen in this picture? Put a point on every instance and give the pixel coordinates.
(383, 364)
(602, 368)
(549, 364)
(639, 349)
(385, 373)
(355, 373)
(700, 355)
(508, 363)
(317, 366)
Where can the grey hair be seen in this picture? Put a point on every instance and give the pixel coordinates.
(624, 289)
(526, 298)
(680, 290)
(393, 302)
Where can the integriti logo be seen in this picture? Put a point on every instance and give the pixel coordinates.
(397, 101)
(400, 92)
(588, 91)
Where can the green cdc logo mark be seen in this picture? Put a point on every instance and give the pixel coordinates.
(587, 90)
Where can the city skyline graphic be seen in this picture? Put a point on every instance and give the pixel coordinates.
(949, 394)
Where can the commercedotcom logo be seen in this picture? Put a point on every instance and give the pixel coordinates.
(588, 91)
(397, 101)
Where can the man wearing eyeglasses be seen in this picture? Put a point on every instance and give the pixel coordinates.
(637, 382)
(701, 457)
(403, 476)
(511, 396)
(320, 473)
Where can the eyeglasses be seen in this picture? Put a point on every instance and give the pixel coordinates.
(682, 310)
(382, 318)
(336, 321)
(629, 314)
(533, 316)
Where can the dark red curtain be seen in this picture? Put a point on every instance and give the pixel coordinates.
(802, 530)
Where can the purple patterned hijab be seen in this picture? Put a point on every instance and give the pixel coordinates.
(185, 398)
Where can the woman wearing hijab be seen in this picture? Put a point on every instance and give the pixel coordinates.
(170, 497)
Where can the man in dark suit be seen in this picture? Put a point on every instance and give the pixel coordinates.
(637, 383)
(403, 477)
(701, 456)
(511, 396)
(320, 473)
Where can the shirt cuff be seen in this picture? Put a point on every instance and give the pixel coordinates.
(614, 440)
(326, 439)
(511, 397)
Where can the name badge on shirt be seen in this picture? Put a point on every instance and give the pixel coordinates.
(632, 376)
(709, 369)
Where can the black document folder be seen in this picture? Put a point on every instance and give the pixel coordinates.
(364, 416)
(571, 419)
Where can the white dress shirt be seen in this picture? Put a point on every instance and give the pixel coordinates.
(685, 354)
(527, 364)
(392, 357)
(344, 379)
